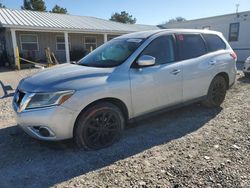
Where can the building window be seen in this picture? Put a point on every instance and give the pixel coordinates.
(90, 43)
(234, 29)
(206, 27)
(60, 43)
(29, 42)
(111, 37)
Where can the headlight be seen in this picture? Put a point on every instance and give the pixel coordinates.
(39, 100)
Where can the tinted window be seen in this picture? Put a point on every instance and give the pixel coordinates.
(234, 31)
(190, 46)
(162, 48)
(214, 43)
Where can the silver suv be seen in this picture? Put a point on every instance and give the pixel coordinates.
(130, 76)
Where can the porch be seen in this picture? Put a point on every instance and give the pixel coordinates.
(67, 46)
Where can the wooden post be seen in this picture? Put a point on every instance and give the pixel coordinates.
(18, 59)
(66, 39)
(14, 45)
(48, 56)
(105, 37)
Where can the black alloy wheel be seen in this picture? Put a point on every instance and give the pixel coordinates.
(99, 127)
(216, 93)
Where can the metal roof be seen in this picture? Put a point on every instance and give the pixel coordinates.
(23, 19)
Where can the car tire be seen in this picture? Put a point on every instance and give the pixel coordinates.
(216, 92)
(99, 126)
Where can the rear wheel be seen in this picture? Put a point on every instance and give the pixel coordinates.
(99, 126)
(216, 93)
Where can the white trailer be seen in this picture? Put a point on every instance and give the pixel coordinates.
(235, 27)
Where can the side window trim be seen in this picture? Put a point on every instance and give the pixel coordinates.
(176, 54)
(206, 44)
(134, 65)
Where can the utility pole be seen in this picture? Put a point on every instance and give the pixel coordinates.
(237, 9)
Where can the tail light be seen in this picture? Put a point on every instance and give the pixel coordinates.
(233, 55)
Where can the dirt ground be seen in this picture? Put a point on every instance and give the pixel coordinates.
(189, 147)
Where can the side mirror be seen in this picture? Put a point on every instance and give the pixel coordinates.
(146, 60)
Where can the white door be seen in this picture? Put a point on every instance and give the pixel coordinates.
(198, 67)
(157, 86)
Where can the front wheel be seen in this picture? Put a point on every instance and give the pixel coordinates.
(99, 126)
(216, 92)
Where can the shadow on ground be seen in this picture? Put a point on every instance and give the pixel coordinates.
(5, 69)
(244, 79)
(25, 162)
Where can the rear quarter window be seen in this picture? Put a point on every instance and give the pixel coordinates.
(214, 42)
(190, 46)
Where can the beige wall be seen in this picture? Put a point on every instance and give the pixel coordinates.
(77, 40)
(45, 40)
(8, 44)
(112, 36)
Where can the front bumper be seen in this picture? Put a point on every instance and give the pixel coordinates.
(58, 120)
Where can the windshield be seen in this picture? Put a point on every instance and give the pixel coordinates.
(111, 54)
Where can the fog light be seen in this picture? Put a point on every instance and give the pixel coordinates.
(44, 132)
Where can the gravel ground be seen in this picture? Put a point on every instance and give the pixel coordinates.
(189, 147)
(8, 83)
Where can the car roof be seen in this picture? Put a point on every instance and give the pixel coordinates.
(147, 34)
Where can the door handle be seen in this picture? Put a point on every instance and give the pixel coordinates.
(176, 71)
(212, 62)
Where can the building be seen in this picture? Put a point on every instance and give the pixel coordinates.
(33, 31)
(235, 27)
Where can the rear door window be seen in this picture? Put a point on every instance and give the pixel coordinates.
(214, 43)
(162, 48)
(190, 46)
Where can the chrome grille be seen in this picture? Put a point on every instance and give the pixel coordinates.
(19, 95)
(21, 100)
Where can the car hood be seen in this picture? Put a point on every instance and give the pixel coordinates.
(65, 77)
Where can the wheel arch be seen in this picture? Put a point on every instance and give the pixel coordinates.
(225, 76)
(117, 102)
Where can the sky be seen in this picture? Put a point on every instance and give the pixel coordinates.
(152, 12)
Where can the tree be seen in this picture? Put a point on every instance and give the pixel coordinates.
(58, 9)
(177, 19)
(2, 6)
(123, 17)
(35, 5)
